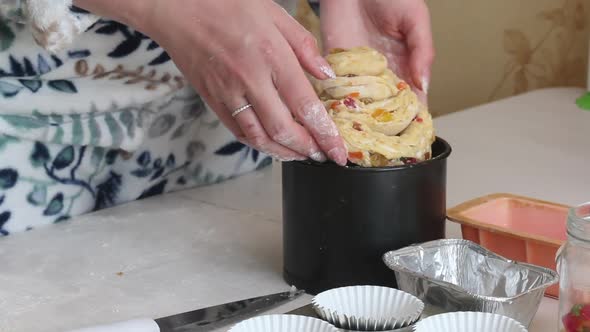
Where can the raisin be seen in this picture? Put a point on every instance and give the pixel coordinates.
(409, 160)
(349, 102)
(378, 160)
(336, 50)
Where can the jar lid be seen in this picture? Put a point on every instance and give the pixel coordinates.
(578, 225)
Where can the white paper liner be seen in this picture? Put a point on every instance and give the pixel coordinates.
(403, 329)
(368, 308)
(283, 323)
(469, 322)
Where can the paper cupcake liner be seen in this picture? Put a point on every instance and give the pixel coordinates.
(368, 308)
(469, 322)
(283, 323)
(401, 329)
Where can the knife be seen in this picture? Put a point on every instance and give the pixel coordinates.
(201, 320)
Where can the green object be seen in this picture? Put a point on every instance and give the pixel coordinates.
(584, 102)
(6, 36)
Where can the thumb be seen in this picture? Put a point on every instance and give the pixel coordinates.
(421, 48)
(303, 44)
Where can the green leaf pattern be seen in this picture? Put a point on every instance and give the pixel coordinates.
(63, 180)
(6, 36)
(108, 129)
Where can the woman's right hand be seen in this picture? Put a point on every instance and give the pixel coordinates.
(237, 52)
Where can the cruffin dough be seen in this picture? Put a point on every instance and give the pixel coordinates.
(377, 114)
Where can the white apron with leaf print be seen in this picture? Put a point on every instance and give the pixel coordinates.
(107, 120)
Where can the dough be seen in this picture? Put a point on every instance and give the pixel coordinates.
(377, 114)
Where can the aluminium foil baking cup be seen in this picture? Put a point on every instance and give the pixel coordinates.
(368, 308)
(283, 323)
(469, 322)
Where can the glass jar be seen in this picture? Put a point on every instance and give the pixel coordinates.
(573, 265)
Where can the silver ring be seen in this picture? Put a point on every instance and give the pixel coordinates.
(240, 110)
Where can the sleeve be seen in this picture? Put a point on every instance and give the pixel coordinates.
(54, 24)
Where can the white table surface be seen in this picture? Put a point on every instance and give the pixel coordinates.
(222, 243)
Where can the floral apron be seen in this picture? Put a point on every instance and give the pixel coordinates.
(106, 121)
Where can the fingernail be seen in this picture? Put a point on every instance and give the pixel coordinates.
(298, 158)
(289, 159)
(425, 84)
(286, 159)
(339, 156)
(318, 156)
(326, 69)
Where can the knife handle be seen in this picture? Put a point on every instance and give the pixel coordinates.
(136, 325)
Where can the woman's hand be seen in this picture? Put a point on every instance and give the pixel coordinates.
(400, 29)
(237, 52)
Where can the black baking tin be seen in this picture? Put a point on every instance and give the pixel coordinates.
(339, 221)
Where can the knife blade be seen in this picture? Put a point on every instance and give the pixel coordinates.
(212, 318)
(202, 320)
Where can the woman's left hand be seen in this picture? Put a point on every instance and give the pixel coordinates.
(400, 29)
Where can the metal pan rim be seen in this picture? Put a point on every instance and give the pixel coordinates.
(552, 275)
(447, 150)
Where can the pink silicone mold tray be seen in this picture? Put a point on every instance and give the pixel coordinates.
(519, 228)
